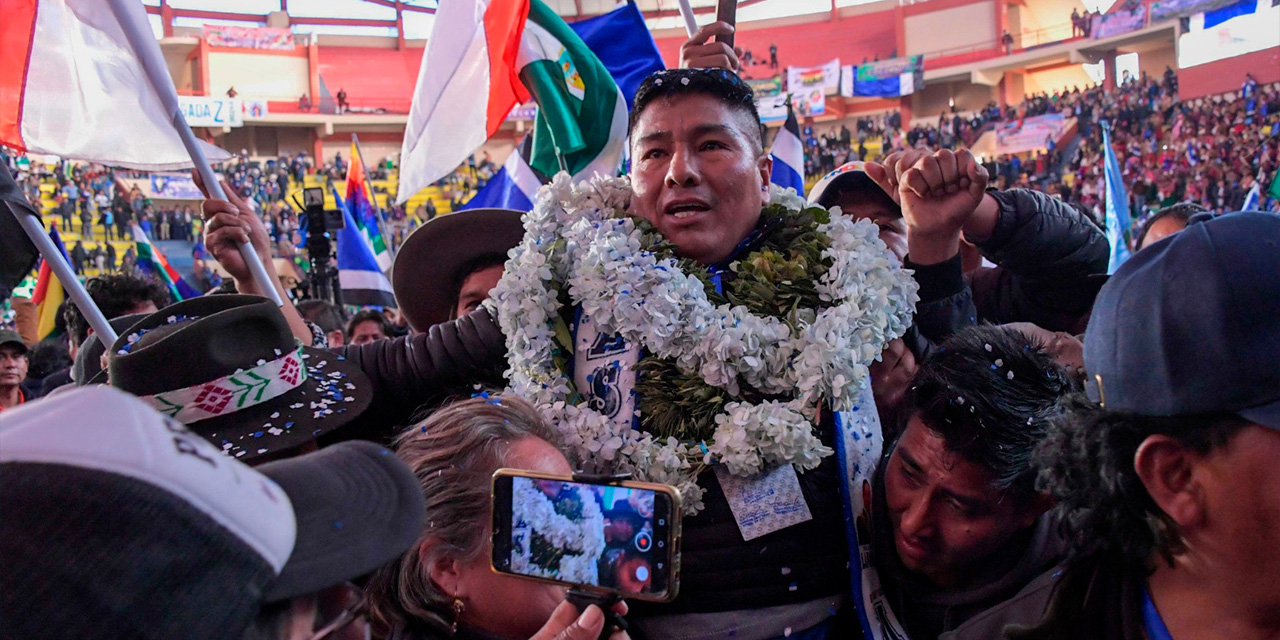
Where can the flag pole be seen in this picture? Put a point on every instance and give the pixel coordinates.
(690, 24)
(382, 223)
(144, 45)
(35, 230)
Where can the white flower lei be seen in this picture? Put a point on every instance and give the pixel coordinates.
(582, 541)
(579, 237)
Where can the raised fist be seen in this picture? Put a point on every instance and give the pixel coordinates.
(938, 192)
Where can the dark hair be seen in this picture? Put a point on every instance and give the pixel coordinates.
(1181, 211)
(721, 84)
(990, 392)
(115, 294)
(47, 356)
(322, 314)
(366, 315)
(478, 263)
(1085, 462)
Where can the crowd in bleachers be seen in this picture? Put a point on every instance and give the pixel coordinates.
(1210, 151)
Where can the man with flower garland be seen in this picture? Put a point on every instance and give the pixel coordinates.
(701, 180)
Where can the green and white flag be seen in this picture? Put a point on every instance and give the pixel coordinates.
(582, 116)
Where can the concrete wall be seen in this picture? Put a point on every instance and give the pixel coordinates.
(851, 39)
(291, 140)
(1155, 61)
(956, 28)
(1227, 75)
(258, 76)
(934, 99)
(181, 69)
(1062, 78)
(1052, 16)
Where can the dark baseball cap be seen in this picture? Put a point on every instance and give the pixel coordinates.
(121, 523)
(11, 337)
(1191, 324)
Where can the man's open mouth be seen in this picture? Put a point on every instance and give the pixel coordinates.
(686, 209)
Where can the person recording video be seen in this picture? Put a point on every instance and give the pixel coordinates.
(443, 586)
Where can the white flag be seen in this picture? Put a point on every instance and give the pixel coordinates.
(83, 92)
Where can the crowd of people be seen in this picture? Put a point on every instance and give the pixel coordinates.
(1209, 151)
(1056, 449)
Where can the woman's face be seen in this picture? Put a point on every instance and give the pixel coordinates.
(490, 596)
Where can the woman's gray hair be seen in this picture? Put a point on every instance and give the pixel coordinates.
(454, 453)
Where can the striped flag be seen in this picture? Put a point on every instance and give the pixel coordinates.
(73, 86)
(49, 293)
(515, 186)
(364, 209)
(1253, 199)
(151, 260)
(582, 116)
(1117, 203)
(362, 281)
(467, 85)
(788, 155)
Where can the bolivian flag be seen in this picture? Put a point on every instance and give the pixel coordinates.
(485, 57)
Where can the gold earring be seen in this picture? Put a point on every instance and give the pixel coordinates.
(458, 608)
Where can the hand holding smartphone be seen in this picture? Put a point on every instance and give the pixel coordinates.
(606, 537)
(727, 12)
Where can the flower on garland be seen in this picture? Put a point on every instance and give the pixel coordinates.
(732, 375)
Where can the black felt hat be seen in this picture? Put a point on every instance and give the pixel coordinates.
(428, 267)
(87, 367)
(229, 368)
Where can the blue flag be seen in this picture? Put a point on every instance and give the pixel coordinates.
(513, 187)
(361, 280)
(1234, 10)
(788, 155)
(1117, 203)
(621, 40)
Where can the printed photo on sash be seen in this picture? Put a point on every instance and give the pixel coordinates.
(859, 445)
(604, 371)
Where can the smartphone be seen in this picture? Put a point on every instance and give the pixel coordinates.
(727, 11)
(621, 537)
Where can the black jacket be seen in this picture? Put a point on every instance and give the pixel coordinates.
(423, 369)
(722, 572)
(1098, 597)
(1050, 262)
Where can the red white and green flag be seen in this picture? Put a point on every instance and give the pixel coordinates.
(582, 116)
(499, 53)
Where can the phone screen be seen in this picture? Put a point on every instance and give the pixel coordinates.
(598, 535)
